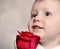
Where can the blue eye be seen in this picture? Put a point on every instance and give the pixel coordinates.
(47, 13)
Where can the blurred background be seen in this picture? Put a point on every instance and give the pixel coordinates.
(14, 15)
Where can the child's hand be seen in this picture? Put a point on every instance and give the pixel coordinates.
(26, 40)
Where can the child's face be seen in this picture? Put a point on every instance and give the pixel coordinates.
(45, 19)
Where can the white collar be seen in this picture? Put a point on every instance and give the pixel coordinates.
(57, 47)
(40, 47)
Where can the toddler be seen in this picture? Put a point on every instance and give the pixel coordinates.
(45, 22)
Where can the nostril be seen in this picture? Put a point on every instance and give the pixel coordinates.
(35, 20)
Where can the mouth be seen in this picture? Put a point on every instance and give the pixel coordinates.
(36, 27)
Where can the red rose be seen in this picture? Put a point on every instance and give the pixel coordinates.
(27, 40)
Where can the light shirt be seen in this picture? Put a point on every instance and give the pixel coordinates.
(57, 47)
(40, 47)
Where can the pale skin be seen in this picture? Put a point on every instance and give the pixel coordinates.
(46, 15)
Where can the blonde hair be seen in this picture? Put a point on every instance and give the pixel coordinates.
(43, 0)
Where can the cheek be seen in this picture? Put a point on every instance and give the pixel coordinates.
(52, 28)
(30, 25)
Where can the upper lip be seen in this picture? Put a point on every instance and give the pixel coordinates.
(37, 26)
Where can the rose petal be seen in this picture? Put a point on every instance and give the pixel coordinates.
(27, 40)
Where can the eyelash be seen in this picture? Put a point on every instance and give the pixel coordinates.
(47, 13)
(33, 15)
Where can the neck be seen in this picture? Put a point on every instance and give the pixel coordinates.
(52, 43)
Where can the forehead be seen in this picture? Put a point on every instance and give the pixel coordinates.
(46, 4)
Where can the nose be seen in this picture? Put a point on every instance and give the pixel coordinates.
(36, 19)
